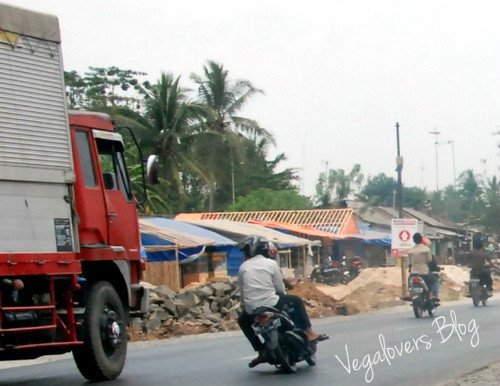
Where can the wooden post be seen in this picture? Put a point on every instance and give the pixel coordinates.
(210, 264)
(179, 274)
(304, 261)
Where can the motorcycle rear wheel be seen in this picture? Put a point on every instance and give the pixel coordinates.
(418, 311)
(285, 365)
(311, 360)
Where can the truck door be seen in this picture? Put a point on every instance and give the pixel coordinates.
(121, 211)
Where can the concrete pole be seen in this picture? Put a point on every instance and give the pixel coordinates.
(399, 169)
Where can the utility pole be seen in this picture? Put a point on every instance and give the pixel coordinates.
(399, 169)
(436, 143)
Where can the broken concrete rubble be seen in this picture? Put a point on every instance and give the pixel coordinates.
(210, 307)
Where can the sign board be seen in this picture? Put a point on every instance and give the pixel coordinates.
(402, 231)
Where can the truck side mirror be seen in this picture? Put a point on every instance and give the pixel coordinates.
(152, 170)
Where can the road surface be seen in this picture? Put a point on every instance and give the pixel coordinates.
(387, 347)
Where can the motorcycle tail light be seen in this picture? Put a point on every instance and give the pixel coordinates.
(416, 280)
(262, 318)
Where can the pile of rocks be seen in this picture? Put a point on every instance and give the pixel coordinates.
(211, 307)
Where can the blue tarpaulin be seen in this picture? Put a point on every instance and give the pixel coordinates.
(190, 240)
(369, 236)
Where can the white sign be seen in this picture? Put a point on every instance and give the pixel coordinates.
(402, 231)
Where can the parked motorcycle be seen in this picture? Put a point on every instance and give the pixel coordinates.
(419, 293)
(284, 344)
(355, 267)
(327, 273)
(477, 291)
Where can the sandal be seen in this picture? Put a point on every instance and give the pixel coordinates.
(320, 338)
(256, 361)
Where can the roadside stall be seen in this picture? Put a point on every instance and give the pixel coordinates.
(178, 253)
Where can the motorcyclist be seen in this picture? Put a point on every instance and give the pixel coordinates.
(434, 270)
(261, 284)
(420, 258)
(477, 260)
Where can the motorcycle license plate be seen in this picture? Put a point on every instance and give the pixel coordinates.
(271, 325)
(417, 290)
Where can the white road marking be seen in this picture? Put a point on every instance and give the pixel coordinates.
(246, 358)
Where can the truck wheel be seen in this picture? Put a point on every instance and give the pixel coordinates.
(102, 355)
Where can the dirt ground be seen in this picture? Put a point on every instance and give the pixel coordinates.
(374, 288)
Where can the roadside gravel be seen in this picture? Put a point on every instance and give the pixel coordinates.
(489, 375)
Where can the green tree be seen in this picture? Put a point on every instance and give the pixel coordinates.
(76, 87)
(379, 190)
(334, 186)
(414, 197)
(224, 128)
(104, 89)
(168, 128)
(268, 199)
(490, 216)
(469, 185)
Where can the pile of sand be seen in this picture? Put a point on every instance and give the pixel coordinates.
(381, 287)
(385, 276)
(318, 304)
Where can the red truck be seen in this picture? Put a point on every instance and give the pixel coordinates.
(69, 238)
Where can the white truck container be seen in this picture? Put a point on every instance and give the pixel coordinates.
(36, 167)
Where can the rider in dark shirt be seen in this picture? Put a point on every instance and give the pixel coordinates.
(477, 260)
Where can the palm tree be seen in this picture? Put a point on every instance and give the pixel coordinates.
(224, 129)
(226, 98)
(168, 127)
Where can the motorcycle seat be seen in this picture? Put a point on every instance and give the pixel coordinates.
(262, 309)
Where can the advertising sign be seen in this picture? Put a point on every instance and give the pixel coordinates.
(402, 231)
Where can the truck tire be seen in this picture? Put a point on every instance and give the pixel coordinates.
(102, 355)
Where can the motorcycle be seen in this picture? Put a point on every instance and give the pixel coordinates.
(328, 274)
(355, 267)
(419, 293)
(284, 344)
(477, 291)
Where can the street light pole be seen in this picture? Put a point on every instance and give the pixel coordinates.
(452, 143)
(436, 142)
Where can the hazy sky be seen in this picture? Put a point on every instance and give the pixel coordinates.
(337, 75)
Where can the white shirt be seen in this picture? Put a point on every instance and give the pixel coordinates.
(420, 257)
(260, 280)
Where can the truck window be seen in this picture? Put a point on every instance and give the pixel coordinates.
(113, 167)
(86, 163)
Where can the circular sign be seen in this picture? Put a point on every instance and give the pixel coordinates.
(404, 235)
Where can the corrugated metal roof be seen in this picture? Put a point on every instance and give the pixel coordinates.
(188, 229)
(176, 237)
(239, 230)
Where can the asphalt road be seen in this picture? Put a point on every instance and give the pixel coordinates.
(420, 351)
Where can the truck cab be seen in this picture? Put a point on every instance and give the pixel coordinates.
(69, 238)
